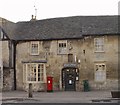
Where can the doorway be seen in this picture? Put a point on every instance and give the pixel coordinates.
(69, 79)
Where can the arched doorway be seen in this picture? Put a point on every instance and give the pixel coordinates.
(70, 75)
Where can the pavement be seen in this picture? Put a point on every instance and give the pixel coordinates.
(59, 97)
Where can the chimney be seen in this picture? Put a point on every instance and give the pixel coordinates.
(33, 18)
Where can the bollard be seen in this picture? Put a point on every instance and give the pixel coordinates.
(30, 94)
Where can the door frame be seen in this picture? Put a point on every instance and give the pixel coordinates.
(75, 74)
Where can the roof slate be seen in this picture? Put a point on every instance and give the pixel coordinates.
(8, 27)
(62, 28)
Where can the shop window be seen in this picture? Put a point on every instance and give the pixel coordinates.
(33, 72)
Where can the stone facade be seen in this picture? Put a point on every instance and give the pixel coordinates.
(1, 67)
(83, 55)
(8, 80)
(71, 50)
(5, 53)
(8, 72)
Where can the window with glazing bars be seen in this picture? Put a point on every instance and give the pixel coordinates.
(99, 44)
(62, 47)
(34, 48)
(34, 72)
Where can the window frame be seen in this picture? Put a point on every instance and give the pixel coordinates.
(62, 49)
(102, 71)
(99, 44)
(31, 46)
(26, 71)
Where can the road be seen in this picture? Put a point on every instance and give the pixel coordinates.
(58, 97)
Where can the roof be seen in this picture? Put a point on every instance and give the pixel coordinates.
(62, 28)
(8, 27)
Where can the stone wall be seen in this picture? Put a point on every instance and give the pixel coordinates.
(1, 67)
(8, 79)
(83, 49)
(5, 53)
(8, 72)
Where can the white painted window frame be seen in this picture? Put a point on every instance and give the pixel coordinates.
(25, 73)
(99, 73)
(64, 49)
(31, 44)
(98, 44)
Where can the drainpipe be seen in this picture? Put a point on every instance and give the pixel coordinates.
(14, 65)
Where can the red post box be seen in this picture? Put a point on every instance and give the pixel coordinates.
(49, 84)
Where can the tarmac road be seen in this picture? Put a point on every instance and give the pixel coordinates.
(58, 97)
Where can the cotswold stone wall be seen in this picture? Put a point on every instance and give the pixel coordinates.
(8, 73)
(83, 50)
(5, 59)
(8, 80)
(5, 53)
(1, 67)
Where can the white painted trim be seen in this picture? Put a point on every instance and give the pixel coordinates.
(66, 49)
(103, 39)
(45, 77)
(34, 42)
(96, 71)
(44, 73)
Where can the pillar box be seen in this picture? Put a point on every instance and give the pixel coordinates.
(49, 84)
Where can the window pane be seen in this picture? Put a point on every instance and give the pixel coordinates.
(100, 73)
(99, 44)
(31, 72)
(35, 72)
(64, 45)
(34, 47)
(40, 72)
(62, 48)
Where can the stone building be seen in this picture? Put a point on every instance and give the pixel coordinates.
(1, 66)
(7, 54)
(70, 50)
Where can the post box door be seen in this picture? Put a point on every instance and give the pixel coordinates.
(49, 83)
